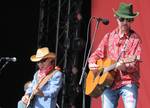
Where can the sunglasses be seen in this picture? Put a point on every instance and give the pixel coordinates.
(42, 61)
(127, 19)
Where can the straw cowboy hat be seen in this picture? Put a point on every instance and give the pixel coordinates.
(41, 54)
(126, 11)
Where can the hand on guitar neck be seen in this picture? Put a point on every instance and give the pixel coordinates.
(120, 66)
(37, 91)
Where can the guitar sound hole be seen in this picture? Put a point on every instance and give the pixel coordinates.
(101, 72)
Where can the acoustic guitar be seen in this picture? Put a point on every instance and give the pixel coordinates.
(39, 85)
(96, 84)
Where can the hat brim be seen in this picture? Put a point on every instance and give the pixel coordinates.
(33, 58)
(126, 16)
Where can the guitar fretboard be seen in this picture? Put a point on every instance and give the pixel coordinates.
(111, 67)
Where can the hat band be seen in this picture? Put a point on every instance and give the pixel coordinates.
(126, 13)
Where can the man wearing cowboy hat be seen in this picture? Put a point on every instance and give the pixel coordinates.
(46, 83)
(119, 45)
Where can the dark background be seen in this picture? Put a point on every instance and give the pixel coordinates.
(19, 39)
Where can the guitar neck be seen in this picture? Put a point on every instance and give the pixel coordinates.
(110, 68)
(30, 98)
(126, 60)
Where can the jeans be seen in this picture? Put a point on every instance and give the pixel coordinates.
(129, 95)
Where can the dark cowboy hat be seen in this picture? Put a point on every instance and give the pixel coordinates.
(42, 53)
(126, 11)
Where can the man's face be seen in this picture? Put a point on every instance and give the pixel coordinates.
(44, 63)
(124, 23)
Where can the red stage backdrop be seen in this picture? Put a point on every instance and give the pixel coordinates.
(103, 9)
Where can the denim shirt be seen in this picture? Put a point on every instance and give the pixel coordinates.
(50, 91)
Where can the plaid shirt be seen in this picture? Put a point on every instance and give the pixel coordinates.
(111, 46)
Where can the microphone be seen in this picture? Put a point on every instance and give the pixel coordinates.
(13, 59)
(104, 20)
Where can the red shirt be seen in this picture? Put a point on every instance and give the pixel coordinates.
(111, 46)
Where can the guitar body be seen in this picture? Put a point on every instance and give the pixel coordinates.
(96, 84)
(23, 105)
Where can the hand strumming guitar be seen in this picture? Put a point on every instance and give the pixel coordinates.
(25, 99)
(94, 67)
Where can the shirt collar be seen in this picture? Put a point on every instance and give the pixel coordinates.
(125, 35)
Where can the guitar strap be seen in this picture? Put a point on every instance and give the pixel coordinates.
(123, 49)
(45, 79)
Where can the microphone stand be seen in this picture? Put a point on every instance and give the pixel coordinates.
(83, 75)
(3, 66)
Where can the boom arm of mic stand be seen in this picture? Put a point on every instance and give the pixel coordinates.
(3, 66)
